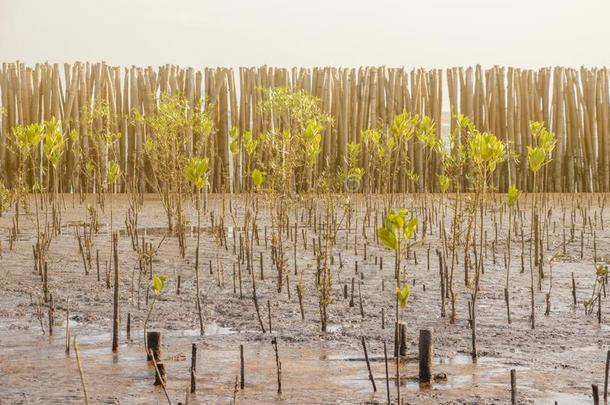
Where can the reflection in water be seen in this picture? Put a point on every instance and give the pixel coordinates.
(211, 329)
(127, 375)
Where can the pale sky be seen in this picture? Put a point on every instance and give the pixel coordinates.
(231, 33)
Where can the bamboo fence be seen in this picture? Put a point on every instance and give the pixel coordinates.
(573, 103)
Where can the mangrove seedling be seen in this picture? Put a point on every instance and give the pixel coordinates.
(197, 172)
(157, 285)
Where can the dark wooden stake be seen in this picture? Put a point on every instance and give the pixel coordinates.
(269, 312)
(368, 364)
(506, 298)
(425, 356)
(115, 317)
(573, 290)
(68, 327)
(606, 377)
(242, 382)
(387, 372)
(193, 367)
(51, 314)
(153, 343)
(278, 365)
(128, 325)
(513, 386)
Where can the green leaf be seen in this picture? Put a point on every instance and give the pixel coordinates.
(388, 238)
(513, 195)
(353, 152)
(486, 149)
(114, 172)
(410, 228)
(74, 136)
(28, 137)
(158, 283)
(234, 133)
(411, 175)
(464, 122)
(403, 295)
(196, 171)
(234, 147)
(53, 141)
(371, 136)
(396, 219)
(250, 143)
(426, 133)
(535, 158)
(403, 125)
(538, 156)
(89, 167)
(258, 177)
(356, 172)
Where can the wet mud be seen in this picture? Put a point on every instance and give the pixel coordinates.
(556, 361)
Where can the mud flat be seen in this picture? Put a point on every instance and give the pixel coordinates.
(559, 360)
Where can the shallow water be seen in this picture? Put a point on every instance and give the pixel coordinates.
(557, 361)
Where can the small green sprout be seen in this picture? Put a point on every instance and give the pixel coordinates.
(535, 158)
(114, 172)
(356, 173)
(353, 153)
(53, 141)
(74, 135)
(258, 177)
(249, 143)
(158, 283)
(426, 132)
(513, 195)
(196, 171)
(539, 156)
(234, 144)
(89, 167)
(403, 295)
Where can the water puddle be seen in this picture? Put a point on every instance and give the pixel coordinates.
(211, 329)
(306, 369)
(550, 398)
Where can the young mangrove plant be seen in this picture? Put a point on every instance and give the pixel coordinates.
(291, 146)
(395, 234)
(102, 145)
(112, 176)
(174, 125)
(454, 159)
(485, 151)
(27, 141)
(197, 172)
(6, 198)
(538, 156)
(293, 143)
(157, 285)
(54, 145)
(511, 199)
(426, 135)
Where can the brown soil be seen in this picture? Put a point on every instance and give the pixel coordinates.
(557, 361)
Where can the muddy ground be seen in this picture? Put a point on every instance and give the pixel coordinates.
(557, 361)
